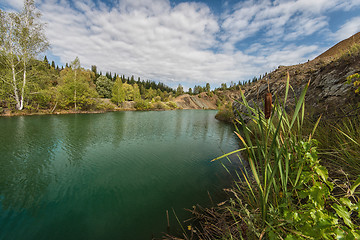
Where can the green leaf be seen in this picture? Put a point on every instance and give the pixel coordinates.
(348, 203)
(356, 234)
(343, 213)
(299, 105)
(355, 185)
(317, 194)
(322, 172)
(340, 234)
(291, 237)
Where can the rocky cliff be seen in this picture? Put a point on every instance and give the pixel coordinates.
(328, 93)
(206, 100)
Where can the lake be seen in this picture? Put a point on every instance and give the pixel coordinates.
(110, 175)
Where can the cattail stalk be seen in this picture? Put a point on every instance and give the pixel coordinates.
(268, 105)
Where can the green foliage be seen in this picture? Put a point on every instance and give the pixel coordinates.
(286, 181)
(104, 86)
(22, 38)
(76, 88)
(179, 90)
(104, 106)
(159, 106)
(150, 93)
(136, 92)
(156, 99)
(225, 113)
(129, 92)
(171, 105)
(340, 143)
(352, 51)
(218, 102)
(142, 105)
(207, 87)
(118, 93)
(356, 78)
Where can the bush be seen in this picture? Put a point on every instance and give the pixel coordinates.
(172, 105)
(159, 106)
(157, 99)
(142, 105)
(104, 106)
(225, 113)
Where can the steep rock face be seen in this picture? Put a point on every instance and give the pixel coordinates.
(187, 101)
(206, 100)
(328, 92)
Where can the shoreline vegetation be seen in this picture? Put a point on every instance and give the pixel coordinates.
(29, 85)
(299, 178)
(105, 105)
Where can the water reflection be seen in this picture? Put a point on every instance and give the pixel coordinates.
(26, 146)
(105, 176)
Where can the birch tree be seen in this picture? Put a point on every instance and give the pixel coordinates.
(9, 53)
(76, 87)
(22, 38)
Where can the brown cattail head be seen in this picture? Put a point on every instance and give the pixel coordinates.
(268, 105)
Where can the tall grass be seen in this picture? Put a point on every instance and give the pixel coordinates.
(340, 143)
(284, 193)
(272, 150)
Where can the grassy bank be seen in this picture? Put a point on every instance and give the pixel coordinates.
(294, 186)
(99, 106)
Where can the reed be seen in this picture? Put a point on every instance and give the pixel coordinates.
(340, 144)
(286, 192)
(283, 192)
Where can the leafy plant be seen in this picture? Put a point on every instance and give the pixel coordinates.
(142, 105)
(356, 78)
(286, 192)
(171, 105)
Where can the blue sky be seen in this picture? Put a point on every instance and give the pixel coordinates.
(191, 43)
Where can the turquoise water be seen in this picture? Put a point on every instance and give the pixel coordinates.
(107, 176)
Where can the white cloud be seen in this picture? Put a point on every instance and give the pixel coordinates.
(280, 19)
(13, 4)
(187, 43)
(351, 27)
(151, 41)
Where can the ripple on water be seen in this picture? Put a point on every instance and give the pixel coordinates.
(106, 176)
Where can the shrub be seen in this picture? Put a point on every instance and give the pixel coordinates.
(356, 78)
(172, 105)
(225, 113)
(159, 106)
(142, 105)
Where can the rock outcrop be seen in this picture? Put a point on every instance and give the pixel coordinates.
(206, 100)
(187, 101)
(328, 92)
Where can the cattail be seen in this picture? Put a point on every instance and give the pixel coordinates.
(268, 105)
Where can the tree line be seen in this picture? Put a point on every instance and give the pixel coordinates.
(28, 83)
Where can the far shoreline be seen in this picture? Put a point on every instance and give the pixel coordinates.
(9, 113)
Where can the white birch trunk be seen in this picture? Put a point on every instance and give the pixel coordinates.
(23, 87)
(75, 90)
(16, 95)
(13, 70)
